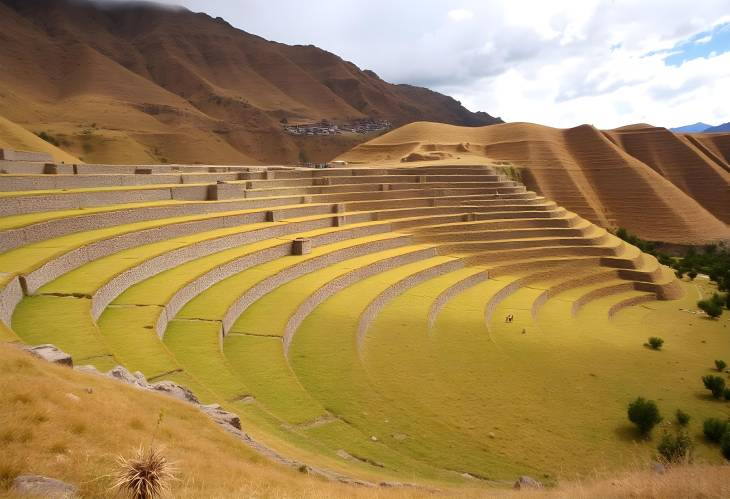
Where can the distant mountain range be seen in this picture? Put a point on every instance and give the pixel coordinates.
(703, 128)
(135, 82)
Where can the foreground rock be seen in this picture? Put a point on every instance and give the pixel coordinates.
(174, 390)
(51, 354)
(122, 374)
(36, 485)
(221, 416)
(526, 482)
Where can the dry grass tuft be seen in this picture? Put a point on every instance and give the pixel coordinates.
(146, 475)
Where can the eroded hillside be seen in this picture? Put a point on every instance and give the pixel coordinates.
(660, 185)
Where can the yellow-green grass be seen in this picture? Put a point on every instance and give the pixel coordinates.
(31, 256)
(78, 190)
(25, 219)
(91, 276)
(160, 288)
(257, 355)
(213, 304)
(129, 333)
(555, 397)
(65, 322)
(196, 345)
(324, 356)
(259, 362)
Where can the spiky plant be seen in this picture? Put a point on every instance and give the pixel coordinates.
(146, 475)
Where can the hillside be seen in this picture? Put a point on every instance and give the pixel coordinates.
(660, 185)
(136, 83)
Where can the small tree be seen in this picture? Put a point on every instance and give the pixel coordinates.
(715, 384)
(682, 417)
(720, 365)
(711, 308)
(726, 394)
(691, 274)
(676, 448)
(725, 445)
(714, 429)
(656, 343)
(644, 414)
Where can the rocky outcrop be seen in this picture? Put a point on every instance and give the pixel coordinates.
(177, 391)
(122, 374)
(526, 482)
(51, 354)
(40, 486)
(221, 416)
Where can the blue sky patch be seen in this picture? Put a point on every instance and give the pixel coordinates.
(703, 44)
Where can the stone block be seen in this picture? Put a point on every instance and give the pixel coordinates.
(301, 246)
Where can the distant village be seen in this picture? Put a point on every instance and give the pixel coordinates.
(325, 127)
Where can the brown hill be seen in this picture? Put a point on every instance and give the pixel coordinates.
(136, 82)
(660, 185)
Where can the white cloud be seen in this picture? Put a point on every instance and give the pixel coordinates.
(460, 14)
(559, 63)
(703, 40)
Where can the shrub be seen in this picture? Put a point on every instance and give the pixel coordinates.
(720, 365)
(715, 384)
(711, 308)
(144, 476)
(692, 274)
(718, 299)
(644, 414)
(725, 445)
(682, 417)
(656, 343)
(48, 138)
(676, 448)
(726, 394)
(714, 429)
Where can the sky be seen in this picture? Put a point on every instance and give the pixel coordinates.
(559, 63)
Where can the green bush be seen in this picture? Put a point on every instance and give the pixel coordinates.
(710, 307)
(726, 394)
(644, 414)
(725, 445)
(676, 448)
(714, 429)
(682, 417)
(692, 274)
(656, 343)
(715, 384)
(720, 365)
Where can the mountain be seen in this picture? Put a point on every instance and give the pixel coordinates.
(139, 82)
(725, 127)
(697, 127)
(660, 185)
